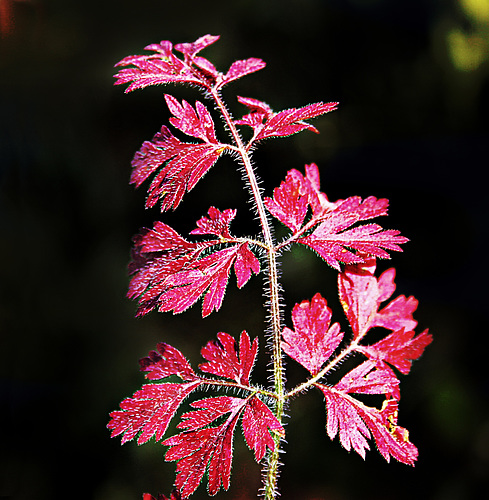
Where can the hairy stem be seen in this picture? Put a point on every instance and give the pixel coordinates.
(272, 465)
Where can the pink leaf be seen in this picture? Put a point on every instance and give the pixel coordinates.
(177, 166)
(361, 295)
(217, 223)
(357, 422)
(171, 273)
(245, 264)
(225, 359)
(163, 66)
(149, 411)
(257, 423)
(197, 123)
(333, 237)
(166, 361)
(295, 195)
(290, 201)
(192, 49)
(399, 349)
(314, 340)
(241, 68)
(367, 378)
(265, 123)
(201, 447)
(332, 241)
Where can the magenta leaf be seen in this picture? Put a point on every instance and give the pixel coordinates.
(368, 378)
(357, 422)
(313, 341)
(266, 123)
(217, 223)
(149, 411)
(166, 361)
(170, 273)
(162, 66)
(329, 231)
(200, 447)
(257, 421)
(177, 166)
(292, 199)
(399, 349)
(196, 123)
(225, 359)
(241, 68)
(361, 295)
(332, 241)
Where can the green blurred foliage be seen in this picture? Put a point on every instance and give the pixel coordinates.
(412, 81)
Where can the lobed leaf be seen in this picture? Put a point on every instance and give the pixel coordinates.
(201, 447)
(266, 123)
(166, 361)
(313, 339)
(177, 166)
(149, 411)
(217, 223)
(399, 349)
(332, 243)
(361, 295)
(356, 423)
(170, 273)
(258, 421)
(162, 66)
(225, 359)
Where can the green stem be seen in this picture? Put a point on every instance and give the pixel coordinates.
(272, 465)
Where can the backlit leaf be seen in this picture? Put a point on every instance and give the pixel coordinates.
(314, 339)
(170, 273)
(266, 123)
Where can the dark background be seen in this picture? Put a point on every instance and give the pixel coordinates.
(412, 81)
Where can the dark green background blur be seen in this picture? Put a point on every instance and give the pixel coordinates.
(412, 80)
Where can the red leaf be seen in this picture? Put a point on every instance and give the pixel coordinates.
(149, 411)
(331, 241)
(290, 201)
(357, 422)
(170, 273)
(217, 223)
(177, 165)
(290, 121)
(295, 195)
(224, 361)
(314, 340)
(361, 295)
(265, 123)
(257, 423)
(165, 362)
(367, 378)
(399, 349)
(196, 124)
(241, 68)
(163, 66)
(206, 276)
(201, 447)
(333, 238)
